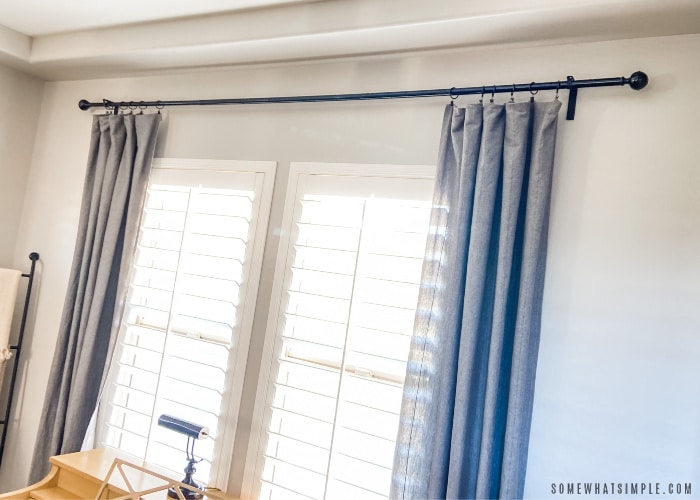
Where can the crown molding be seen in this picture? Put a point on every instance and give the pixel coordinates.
(318, 31)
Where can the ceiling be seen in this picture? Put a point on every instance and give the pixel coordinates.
(81, 39)
(47, 17)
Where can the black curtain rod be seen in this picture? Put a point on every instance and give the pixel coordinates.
(638, 80)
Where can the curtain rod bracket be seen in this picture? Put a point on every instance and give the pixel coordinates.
(573, 94)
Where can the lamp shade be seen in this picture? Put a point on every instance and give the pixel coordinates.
(189, 429)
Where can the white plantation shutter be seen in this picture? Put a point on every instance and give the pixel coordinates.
(185, 332)
(347, 288)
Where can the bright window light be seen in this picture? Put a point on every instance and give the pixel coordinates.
(347, 303)
(178, 347)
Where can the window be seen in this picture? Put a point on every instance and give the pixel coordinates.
(344, 294)
(184, 336)
(341, 316)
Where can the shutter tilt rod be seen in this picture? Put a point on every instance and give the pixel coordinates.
(637, 81)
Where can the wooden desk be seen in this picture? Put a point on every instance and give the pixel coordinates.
(79, 476)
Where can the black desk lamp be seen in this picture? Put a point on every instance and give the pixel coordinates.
(192, 431)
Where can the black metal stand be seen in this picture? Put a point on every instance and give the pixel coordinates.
(17, 348)
(189, 472)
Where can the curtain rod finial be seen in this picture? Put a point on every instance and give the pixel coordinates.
(638, 80)
(83, 104)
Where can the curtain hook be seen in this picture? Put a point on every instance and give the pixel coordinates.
(532, 94)
(483, 91)
(556, 96)
(512, 96)
(493, 93)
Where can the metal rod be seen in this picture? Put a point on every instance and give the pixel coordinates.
(17, 348)
(637, 81)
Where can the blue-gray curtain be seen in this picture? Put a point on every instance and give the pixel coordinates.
(466, 413)
(119, 162)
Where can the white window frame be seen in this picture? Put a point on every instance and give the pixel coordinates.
(254, 461)
(230, 409)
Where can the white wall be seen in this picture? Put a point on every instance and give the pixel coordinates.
(20, 100)
(616, 397)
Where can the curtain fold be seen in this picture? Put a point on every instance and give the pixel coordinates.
(119, 162)
(465, 418)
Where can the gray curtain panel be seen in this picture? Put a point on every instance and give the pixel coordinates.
(119, 162)
(465, 418)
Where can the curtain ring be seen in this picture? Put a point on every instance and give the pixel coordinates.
(493, 93)
(132, 105)
(453, 96)
(512, 92)
(159, 106)
(532, 93)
